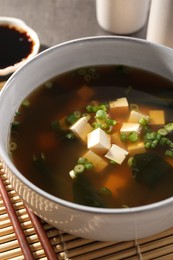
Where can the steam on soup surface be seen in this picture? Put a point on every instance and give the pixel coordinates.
(98, 136)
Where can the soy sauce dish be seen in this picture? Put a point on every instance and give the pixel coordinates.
(87, 137)
(19, 43)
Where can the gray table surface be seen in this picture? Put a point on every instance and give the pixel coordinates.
(57, 21)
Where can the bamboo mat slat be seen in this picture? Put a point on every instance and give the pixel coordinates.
(42, 241)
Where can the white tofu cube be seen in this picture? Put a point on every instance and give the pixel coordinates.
(127, 128)
(120, 105)
(135, 148)
(116, 153)
(98, 141)
(157, 117)
(99, 163)
(136, 116)
(81, 128)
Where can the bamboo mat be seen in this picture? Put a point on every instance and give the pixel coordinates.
(24, 236)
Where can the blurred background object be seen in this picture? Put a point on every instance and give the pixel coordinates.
(160, 24)
(122, 16)
(57, 21)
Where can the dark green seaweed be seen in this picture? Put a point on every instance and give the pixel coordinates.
(149, 168)
(84, 193)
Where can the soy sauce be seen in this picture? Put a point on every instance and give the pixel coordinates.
(15, 45)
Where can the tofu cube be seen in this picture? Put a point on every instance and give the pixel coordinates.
(98, 141)
(81, 128)
(116, 153)
(99, 163)
(127, 128)
(137, 147)
(157, 117)
(120, 105)
(136, 116)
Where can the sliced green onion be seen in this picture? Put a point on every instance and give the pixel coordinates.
(108, 130)
(82, 71)
(162, 131)
(158, 136)
(168, 142)
(101, 114)
(154, 143)
(42, 157)
(82, 160)
(133, 137)
(143, 121)
(124, 206)
(48, 84)
(129, 90)
(15, 124)
(134, 107)
(130, 161)
(145, 129)
(103, 107)
(111, 121)
(96, 125)
(26, 103)
(148, 145)
(150, 136)
(88, 166)
(79, 168)
(163, 140)
(171, 145)
(87, 77)
(123, 137)
(104, 125)
(169, 127)
(112, 162)
(13, 146)
(169, 153)
(88, 117)
(106, 192)
(70, 136)
(77, 114)
(72, 118)
(91, 109)
(17, 113)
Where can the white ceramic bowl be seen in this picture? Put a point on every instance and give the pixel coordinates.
(87, 222)
(20, 26)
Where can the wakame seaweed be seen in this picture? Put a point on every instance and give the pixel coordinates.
(85, 194)
(149, 168)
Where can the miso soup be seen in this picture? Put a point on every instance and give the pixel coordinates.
(98, 136)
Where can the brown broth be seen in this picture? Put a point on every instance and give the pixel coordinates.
(59, 97)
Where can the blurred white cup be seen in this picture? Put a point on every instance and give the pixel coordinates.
(122, 16)
(160, 23)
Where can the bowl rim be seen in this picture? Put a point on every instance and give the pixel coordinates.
(17, 22)
(6, 160)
